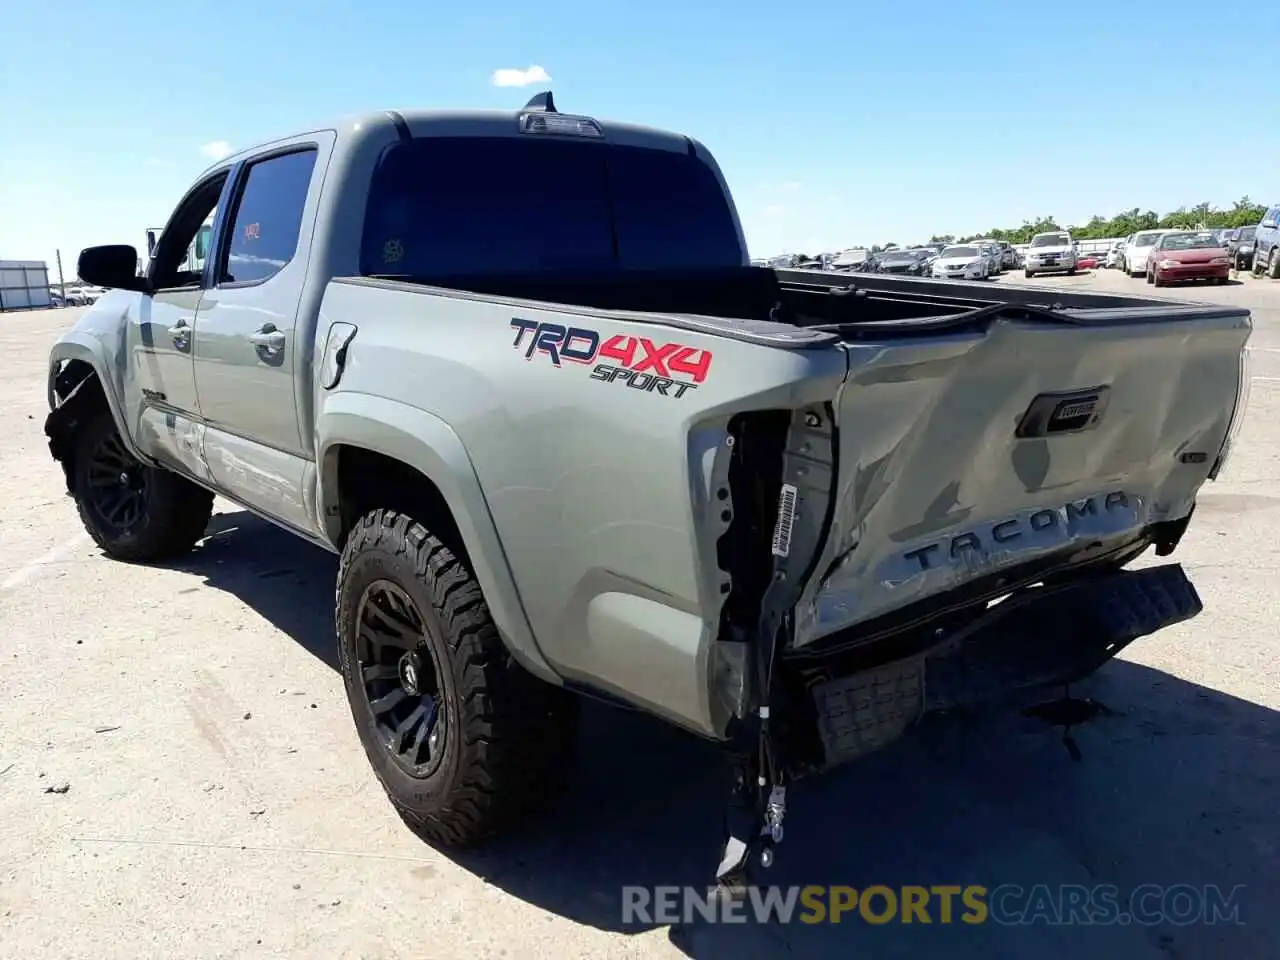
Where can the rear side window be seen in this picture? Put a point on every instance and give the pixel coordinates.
(267, 217)
(442, 206)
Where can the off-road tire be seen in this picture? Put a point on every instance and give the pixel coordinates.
(508, 736)
(175, 515)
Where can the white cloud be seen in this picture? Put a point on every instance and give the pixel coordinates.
(512, 77)
(216, 149)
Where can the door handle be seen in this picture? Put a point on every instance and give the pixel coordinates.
(181, 333)
(268, 339)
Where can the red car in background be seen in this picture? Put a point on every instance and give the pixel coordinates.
(1088, 261)
(1188, 255)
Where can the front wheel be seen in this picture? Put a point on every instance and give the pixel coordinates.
(464, 741)
(134, 512)
(1273, 264)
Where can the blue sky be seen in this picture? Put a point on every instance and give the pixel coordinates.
(836, 122)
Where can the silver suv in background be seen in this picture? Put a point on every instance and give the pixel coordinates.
(1050, 252)
(1266, 244)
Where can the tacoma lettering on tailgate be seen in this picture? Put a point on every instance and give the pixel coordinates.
(1039, 525)
(667, 369)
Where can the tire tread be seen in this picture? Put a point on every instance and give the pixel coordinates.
(514, 731)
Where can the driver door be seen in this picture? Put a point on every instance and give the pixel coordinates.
(162, 332)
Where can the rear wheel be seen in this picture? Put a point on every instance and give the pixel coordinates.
(134, 512)
(464, 741)
(1273, 264)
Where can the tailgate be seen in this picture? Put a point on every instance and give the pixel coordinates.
(983, 455)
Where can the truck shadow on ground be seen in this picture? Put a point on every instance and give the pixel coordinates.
(1177, 785)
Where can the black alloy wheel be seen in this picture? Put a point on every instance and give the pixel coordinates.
(401, 679)
(117, 485)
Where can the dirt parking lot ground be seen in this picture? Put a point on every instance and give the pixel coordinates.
(218, 803)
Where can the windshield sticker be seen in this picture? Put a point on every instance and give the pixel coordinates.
(667, 369)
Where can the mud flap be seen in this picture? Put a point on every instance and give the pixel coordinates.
(1045, 637)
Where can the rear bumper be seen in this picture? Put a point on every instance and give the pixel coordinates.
(1044, 638)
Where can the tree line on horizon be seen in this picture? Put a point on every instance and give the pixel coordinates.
(1203, 216)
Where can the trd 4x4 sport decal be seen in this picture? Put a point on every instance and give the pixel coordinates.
(668, 369)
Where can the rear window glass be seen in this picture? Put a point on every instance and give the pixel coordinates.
(444, 206)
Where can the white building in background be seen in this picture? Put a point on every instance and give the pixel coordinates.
(24, 285)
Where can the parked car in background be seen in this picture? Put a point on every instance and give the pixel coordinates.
(961, 261)
(1266, 244)
(1137, 249)
(1114, 255)
(1089, 261)
(1240, 248)
(810, 263)
(1008, 255)
(853, 260)
(75, 297)
(1050, 252)
(1181, 255)
(995, 257)
(909, 262)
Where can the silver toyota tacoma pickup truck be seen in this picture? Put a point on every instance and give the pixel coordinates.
(518, 371)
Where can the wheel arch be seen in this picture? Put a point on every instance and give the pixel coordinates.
(76, 390)
(376, 452)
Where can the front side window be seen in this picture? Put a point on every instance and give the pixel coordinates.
(175, 262)
(446, 206)
(268, 217)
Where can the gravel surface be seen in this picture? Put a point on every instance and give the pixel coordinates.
(179, 775)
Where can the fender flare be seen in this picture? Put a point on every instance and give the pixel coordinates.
(430, 446)
(90, 351)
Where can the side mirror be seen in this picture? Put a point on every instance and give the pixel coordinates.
(114, 266)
